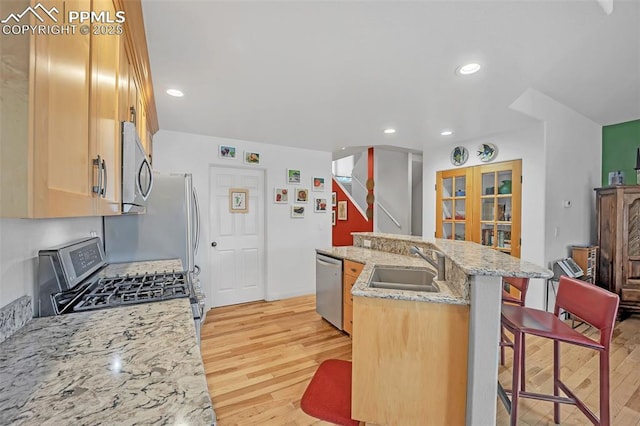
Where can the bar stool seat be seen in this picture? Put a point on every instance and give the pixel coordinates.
(544, 324)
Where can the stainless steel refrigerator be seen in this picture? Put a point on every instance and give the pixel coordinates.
(169, 229)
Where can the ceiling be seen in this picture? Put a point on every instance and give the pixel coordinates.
(331, 74)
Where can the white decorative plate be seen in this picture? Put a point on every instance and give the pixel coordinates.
(459, 155)
(487, 152)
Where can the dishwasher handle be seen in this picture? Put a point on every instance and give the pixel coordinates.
(328, 261)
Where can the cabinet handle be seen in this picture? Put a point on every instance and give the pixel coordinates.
(104, 170)
(353, 269)
(98, 188)
(132, 115)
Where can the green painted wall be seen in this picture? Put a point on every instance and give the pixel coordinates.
(619, 145)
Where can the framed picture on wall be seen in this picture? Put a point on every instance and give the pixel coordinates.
(281, 196)
(238, 200)
(320, 205)
(334, 199)
(333, 217)
(297, 211)
(342, 210)
(318, 184)
(251, 157)
(226, 151)
(302, 195)
(293, 176)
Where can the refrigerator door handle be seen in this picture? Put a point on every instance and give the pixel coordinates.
(197, 213)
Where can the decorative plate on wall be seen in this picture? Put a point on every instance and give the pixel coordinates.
(459, 155)
(487, 152)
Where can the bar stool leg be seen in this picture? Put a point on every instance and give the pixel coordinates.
(522, 368)
(556, 379)
(515, 385)
(604, 388)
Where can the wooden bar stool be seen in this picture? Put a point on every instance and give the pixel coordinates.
(521, 284)
(595, 306)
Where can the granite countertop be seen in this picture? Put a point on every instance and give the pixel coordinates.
(472, 258)
(130, 365)
(134, 268)
(447, 294)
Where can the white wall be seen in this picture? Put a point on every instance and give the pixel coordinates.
(573, 162)
(20, 240)
(526, 144)
(392, 190)
(290, 243)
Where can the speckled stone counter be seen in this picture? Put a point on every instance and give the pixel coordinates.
(131, 365)
(472, 258)
(14, 316)
(449, 293)
(134, 268)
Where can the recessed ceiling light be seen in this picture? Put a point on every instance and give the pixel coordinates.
(446, 133)
(389, 131)
(175, 92)
(468, 69)
(343, 148)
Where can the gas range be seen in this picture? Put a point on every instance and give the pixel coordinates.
(75, 277)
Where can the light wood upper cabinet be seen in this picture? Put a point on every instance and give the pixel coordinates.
(63, 98)
(105, 137)
(481, 204)
(45, 146)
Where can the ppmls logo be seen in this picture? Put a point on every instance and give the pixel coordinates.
(99, 22)
(34, 12)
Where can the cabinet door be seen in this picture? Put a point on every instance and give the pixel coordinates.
(453, 208)
(62, 162)
(631, 250)
(105, 126)
(497, 189)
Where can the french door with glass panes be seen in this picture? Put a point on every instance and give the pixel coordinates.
(497, 203)
(453, 208)
(481, 204)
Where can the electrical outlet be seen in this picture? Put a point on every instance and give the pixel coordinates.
(366, 243)
(566, 204)
(93, 234)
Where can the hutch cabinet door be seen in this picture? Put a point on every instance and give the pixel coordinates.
(631, 250)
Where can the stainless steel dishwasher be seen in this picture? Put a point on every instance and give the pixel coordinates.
(329, 289)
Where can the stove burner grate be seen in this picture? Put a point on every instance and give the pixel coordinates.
(133, 289)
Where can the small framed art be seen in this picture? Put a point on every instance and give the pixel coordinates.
(334, 199)
(333, 217)
(318, 184)
(293, 176)
(320, 205)
(238, 200)
(226, 151)
(342, 210)
(281, 196)
(251, 157)
(297, 211)
(302, 195)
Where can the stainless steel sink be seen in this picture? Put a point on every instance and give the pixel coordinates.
(398, 278)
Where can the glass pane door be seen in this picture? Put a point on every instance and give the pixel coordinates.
(453, 199)
(496, 210)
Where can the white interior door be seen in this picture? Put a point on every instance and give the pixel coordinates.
(237, 245)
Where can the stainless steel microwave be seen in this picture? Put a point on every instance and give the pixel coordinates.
(137, 177)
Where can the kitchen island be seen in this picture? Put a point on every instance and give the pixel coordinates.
(138, 364)
(473, 276)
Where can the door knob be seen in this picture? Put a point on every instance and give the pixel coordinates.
(213, 244)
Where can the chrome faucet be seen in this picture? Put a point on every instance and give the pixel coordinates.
(439, 265)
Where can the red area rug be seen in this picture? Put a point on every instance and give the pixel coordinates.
(328, 396)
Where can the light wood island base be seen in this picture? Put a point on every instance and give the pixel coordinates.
(409, 362)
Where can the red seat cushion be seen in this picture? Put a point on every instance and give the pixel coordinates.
(543, 324)
(328, 395)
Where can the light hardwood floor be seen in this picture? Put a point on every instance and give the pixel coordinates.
(259, 358)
